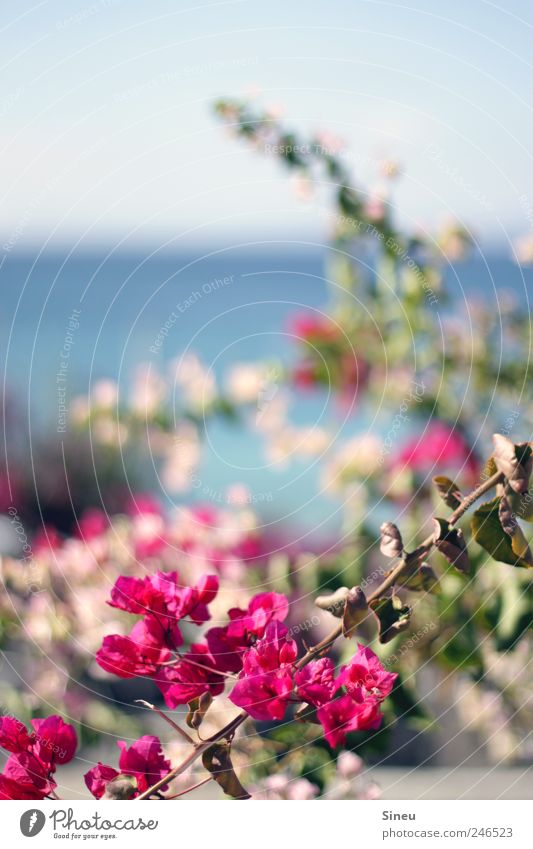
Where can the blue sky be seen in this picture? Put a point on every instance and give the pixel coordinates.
(107, 134)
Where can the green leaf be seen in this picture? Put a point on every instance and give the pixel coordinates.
(522, 505)
(306, 713)
(333, 603)
(349, 202)
(448, 491)
(450, 542)
(198, 709)
(460, 647)
(217, 761)
(514, 461)
(355, 610)
(422, 579)
(488, 532)
(391, 540)
(515, 615)
(489, 469)
(406, 704)
(393, 617)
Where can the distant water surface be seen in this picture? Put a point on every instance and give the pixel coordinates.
(230, 306)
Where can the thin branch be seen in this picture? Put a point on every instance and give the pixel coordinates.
(468, 500)
(164, 716)
(196, 753)
(190, 789)
(180, 657)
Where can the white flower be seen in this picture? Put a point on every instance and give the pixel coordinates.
(197, 385)
(524, 250)
(104, 394)
(79, 410)
(356, 459)
(181, 458)
(149, 391)
(246, 381)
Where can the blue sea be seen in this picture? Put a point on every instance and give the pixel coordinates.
(232, 306)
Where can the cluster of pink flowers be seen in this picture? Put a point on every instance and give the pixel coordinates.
(143, 760)
(328, 356)
(203, 668)
(201, 535)
(254, 643)
(314, 328)
(151, 648)
(29, 770)
(225, 539)
(439, 446)
(351, 701)
(163, 604)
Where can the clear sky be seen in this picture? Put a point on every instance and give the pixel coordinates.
(107, 133)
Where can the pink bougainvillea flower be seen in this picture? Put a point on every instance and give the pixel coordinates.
(47, 539)
(315, 683)
(92, 524)
(163, 603)
(55, 740)
(162, 594)
(158, 631)
(133, 595)
(272, 652)
(266, 681)
(227, 651)
(10, 789)
(28, 771)
(140, 653)
(440, 445)
(144, 504)
(219, 538)
(264, 608)
(314, 328)
(228, 644)
(144, 760)
(191, 677)
(264, 695)
(14, 735)
(304, 375)
(159, 628)
(98, 778)
(149, 532)
(191, 602)
(346, 714)
(365, 677)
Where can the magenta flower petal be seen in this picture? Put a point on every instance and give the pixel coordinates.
(315, 683)
(98, 778)
(344, 714)
(13, 735)
(144, 760)
(190, 677)
(366, 677)
(55, 741)
(26, 770)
